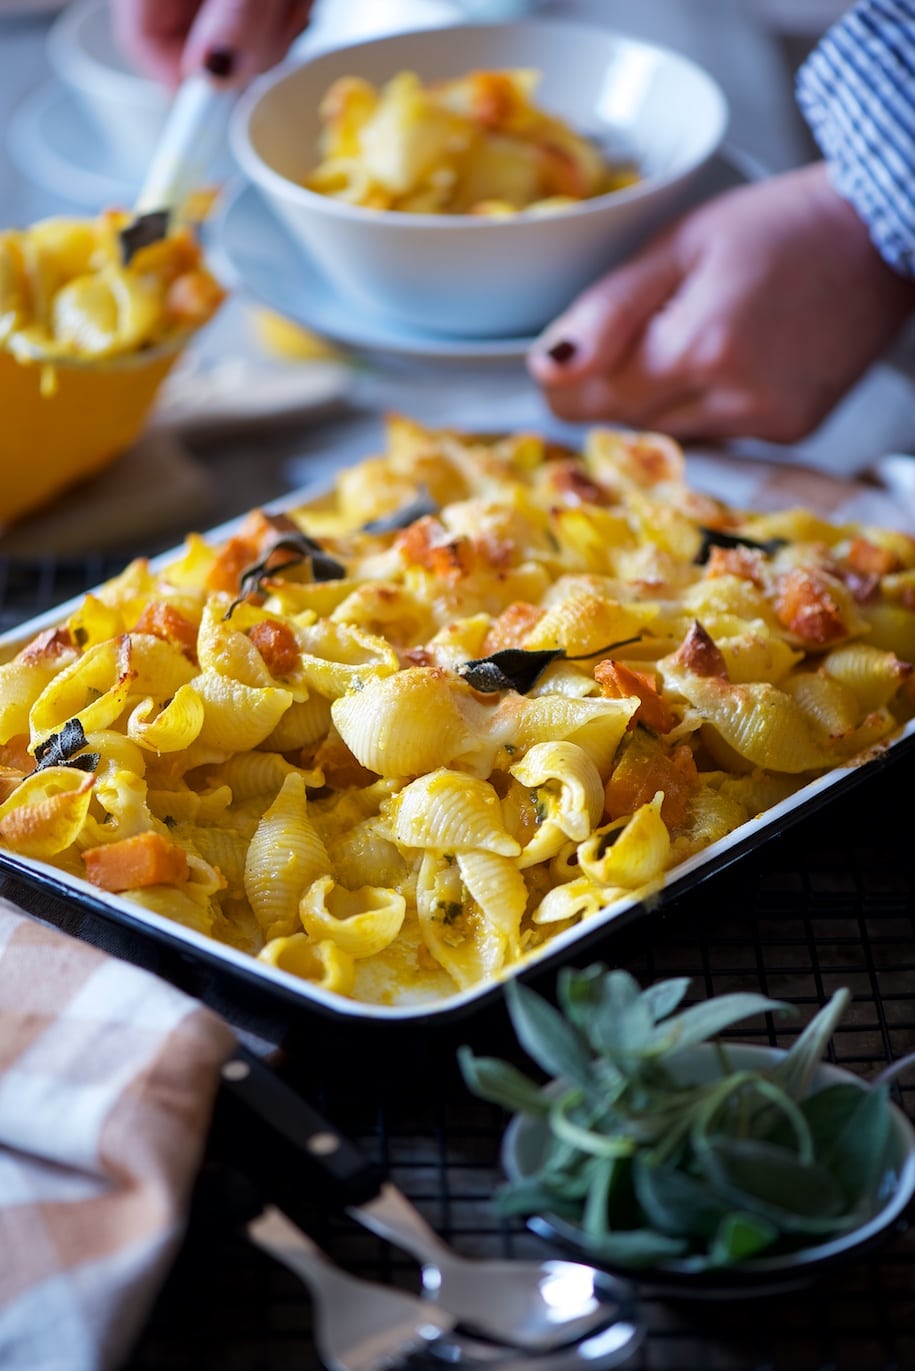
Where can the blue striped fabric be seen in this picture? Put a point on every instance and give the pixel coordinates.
(857, 93)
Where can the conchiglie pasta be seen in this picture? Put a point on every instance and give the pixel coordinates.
(408, 723)
(447, 811)
(284, 856)
(47, 812)
(237, 717)
(398, 758)
(628, 852)
(362, 922)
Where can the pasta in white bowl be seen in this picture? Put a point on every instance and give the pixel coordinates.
(388, 748)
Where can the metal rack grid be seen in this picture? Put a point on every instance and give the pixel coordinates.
(827, 903)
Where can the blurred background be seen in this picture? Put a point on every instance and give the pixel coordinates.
(259, 407)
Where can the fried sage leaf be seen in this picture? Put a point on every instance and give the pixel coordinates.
(520, 668)
(716, 537)
(304, 551)
(398, 519)
(141, 232)
(58, 749)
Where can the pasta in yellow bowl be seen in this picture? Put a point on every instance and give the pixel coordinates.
(93, 315)
(398, 741)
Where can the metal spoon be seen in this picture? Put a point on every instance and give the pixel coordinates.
(363, 1326)
(534, 1305)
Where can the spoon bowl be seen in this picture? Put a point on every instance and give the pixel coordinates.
(535, 1305)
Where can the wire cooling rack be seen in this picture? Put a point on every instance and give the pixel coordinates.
(827, 903)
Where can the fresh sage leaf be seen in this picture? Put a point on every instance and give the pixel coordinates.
(595, 1219)
(546, 1036)
(501, 1083)
(663, 997)
(621, 1023)
(709, 1017)
(675, 1202)
(511, 669)
(851, 1126)
(795, 1071)
(637, 1248)
(652, 1163)
(770, 1181)
(740, 1236)
(532, 1196)
(141, 232)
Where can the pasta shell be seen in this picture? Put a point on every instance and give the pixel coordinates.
(498, 889)
(324, 964)
(576, 899)
(455, 934)
(25, 677)
(284, 857)
(340, 657)
(873, 674)
(238, 717)
(569, 788)
(304, 723)
(173, 728)
(595, 725)
(362, 922)
(583, 624)
(629, 852)
(760, 722)
(449, 811)
(93, 689)
(46, 813)
(160, 668)
(406, 724)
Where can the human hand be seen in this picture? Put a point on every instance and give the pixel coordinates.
(232, 39)
(749, 317)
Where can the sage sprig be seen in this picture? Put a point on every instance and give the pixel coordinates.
(652, 1163)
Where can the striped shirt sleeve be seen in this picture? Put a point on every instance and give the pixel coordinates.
(857, 93)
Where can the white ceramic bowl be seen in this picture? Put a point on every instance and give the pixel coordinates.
(127, 109)
(525, 1137)
(461, 276)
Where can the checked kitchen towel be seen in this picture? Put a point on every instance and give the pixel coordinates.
(107, 1082)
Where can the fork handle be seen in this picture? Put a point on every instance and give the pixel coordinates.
(273, 1130)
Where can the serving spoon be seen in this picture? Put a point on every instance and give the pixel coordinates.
(533, 1305)
(186, 147)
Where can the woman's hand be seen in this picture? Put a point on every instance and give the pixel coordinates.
(232, 39)
(750, 316)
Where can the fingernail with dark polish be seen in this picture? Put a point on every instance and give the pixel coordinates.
(220, 62)
(562, 352)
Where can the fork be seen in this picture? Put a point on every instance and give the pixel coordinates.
(359, 1326)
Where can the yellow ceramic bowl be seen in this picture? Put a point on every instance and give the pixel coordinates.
(63, 422)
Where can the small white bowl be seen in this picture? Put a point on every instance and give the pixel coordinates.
(126, 108)
(462, 276)
(525, 1137)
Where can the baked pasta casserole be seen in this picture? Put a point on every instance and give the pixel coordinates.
(395, 740)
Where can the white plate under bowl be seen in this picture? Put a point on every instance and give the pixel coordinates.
(522, 1150)
(54, 143)
(261, 259)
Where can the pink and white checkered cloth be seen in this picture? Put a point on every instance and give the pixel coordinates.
(107, 1082)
